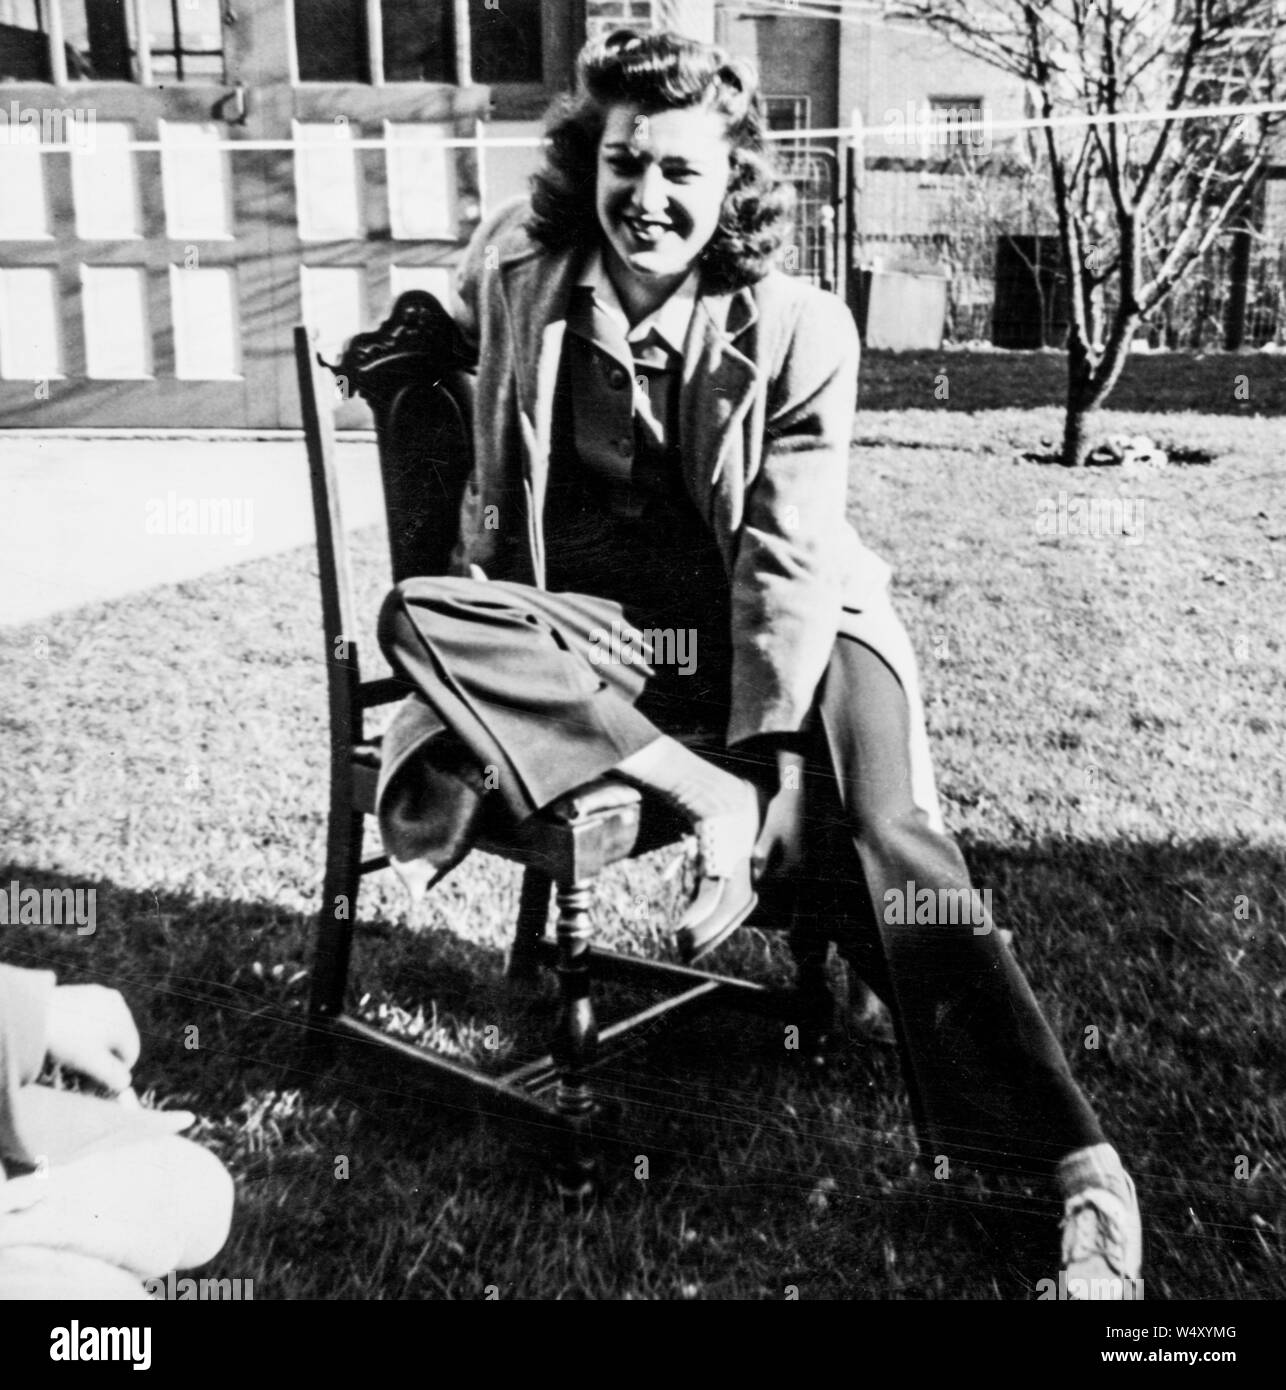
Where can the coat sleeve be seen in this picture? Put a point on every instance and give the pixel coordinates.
(481, 256)
(24, 1007)
(473, 285)
(793, 553)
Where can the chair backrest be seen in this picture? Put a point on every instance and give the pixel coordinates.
(317, 405)
(412, 371)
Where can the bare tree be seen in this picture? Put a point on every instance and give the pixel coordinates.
(1138, 202)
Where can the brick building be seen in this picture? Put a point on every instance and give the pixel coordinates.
(183, 182)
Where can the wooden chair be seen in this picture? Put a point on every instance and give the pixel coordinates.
(415, 378)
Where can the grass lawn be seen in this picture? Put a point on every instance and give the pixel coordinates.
(1107, 717)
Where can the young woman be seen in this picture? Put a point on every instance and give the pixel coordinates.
(662, 440)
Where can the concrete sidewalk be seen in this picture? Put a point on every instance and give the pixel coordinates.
(86, 519)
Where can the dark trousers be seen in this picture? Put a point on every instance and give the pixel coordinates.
(514, 672)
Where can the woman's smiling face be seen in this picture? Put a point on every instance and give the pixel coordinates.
(662, 178)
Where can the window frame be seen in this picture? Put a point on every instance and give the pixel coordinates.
(141, 54)
(803, 105)
(940, 109)
(510, 100)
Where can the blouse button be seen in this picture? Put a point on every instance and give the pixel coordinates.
(617, 378)
(626, 446)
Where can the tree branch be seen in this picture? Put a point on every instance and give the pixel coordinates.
(1177, 263)
(1196, 41)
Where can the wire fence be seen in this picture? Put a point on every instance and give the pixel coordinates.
(995, 240)
(913, 213)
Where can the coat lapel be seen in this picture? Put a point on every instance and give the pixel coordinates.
(718, 381)
(718, 384)
(537, 292)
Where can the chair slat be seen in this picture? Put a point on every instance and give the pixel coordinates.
(316, 393)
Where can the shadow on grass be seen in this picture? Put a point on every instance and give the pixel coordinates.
(1218, 383)
(738, 1174)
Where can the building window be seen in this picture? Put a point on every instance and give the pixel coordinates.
(99, 39)
(506, 41)
(419, 42)
(787, 113)
(96, 46)
(956, 123)
(330, 41)
(603, 16)
(183, 41)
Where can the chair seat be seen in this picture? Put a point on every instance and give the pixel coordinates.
(602, 795)
(579, 834)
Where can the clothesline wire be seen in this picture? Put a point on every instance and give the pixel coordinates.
(895, 119)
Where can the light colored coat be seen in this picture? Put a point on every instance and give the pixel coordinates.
(767, 399)
(37, 1122)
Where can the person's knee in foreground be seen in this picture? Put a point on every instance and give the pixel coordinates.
(686, 460)
(96, 1195)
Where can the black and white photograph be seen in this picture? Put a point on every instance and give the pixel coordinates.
(644, 659)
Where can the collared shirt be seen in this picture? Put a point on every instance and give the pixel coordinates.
(670, 320)
(655, 344)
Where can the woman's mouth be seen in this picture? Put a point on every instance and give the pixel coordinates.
(648, 230)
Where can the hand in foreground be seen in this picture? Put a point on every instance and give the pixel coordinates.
(90, 1030)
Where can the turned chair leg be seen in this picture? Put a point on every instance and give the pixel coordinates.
(533, 918)
(575, 1044)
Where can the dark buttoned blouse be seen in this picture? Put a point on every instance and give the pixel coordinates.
(619, 522)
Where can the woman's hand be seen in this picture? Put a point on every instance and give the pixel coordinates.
(779, 851)
(90, 1030)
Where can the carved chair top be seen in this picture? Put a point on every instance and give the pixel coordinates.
(418, 342)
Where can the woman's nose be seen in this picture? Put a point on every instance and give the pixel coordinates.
(649, 190)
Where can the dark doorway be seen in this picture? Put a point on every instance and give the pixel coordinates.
(1031, 293)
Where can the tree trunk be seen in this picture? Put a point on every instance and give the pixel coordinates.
(1075, 434)
(1080, 380)
(1090, 379)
